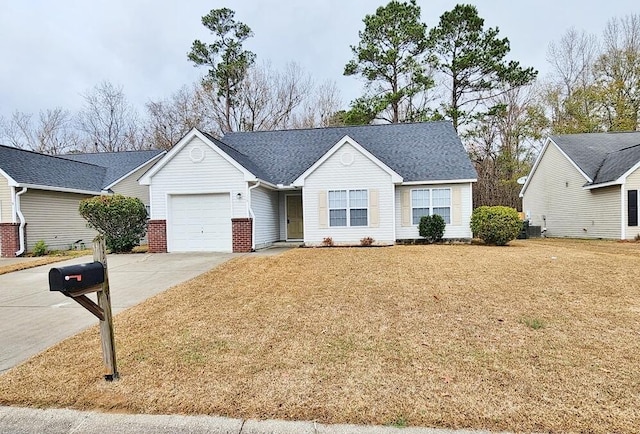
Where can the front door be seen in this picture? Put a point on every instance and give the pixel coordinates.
(294, 218)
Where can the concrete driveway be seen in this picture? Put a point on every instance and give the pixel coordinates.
(32, 318)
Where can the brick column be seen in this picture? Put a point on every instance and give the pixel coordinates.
(157, 236)
(241, 234)
(9, 239)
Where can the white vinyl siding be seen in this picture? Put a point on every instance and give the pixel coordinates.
(5, 201)
(212, 174)
(555, 195)
(131, 187)
(265, 206)
(460, 208)
(54, 218)
(348, 169)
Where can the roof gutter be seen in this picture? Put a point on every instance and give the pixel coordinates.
(61, 189)
(441, 181)
(23, 221)
(603, 184)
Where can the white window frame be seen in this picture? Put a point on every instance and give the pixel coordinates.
(431, 207)
(348, 208)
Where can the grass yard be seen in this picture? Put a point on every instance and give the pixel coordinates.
(538, 336)
(44, 260)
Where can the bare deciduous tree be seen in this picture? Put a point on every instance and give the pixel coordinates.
(572, 59)
(266, 100)
(618, 73)
(170, 119)
(108, 121)
(504, 144)
(320, 107)
(51, 133)
(570, 93)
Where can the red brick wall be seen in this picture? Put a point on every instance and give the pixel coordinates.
(9, 239)
(241, 234)
(157, 236)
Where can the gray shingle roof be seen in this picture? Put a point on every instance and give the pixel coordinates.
(603, 157)
(27, 167)
(239, 157)
(426, 151)
(70, 171)
(118, 164)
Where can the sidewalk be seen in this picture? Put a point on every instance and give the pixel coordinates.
(16, 420)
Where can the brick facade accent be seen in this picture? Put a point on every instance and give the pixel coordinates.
(157, 236)
(9, 239)
(241, 230)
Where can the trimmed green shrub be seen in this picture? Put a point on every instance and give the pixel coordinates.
(495, 224)
(40, 248)
(431, 227)
(122, 220)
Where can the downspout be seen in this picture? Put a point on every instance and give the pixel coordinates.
(253, 217)
(23, 222)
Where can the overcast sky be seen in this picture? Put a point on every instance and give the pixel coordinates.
(53, 51)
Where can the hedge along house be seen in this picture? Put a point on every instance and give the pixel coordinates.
(586, 186)
(251, 189)
(40, 194)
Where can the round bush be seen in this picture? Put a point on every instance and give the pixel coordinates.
(431, 227)
(122, 220)
(495, 224)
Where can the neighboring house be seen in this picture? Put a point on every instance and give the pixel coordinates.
(251, 189)
(40, 194)
(586, 186)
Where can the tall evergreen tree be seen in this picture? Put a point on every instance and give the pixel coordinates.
(472, 59)
(228, 62)
(390, 57)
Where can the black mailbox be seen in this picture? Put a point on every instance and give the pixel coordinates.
(75, 279)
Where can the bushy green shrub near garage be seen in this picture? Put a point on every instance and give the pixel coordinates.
(495, 224)
(122, 220)
(431, 227)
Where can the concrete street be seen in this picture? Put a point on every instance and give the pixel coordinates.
(35, 421)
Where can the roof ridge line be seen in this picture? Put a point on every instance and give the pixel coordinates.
(111, 152)
(624, 149)
(606, 157)
(59, 157)
(336, 127)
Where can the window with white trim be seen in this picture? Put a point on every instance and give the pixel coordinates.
(348, 208)
(430, 201)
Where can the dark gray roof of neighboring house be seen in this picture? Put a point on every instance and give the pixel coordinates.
(426, 151)
(603, 157)
(27, 167)
(617, 163)
(118, 164)
(89, 172)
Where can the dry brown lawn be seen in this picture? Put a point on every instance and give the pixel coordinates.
(45, 260)
(538, 336)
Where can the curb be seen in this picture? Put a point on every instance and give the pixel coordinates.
(20, 420)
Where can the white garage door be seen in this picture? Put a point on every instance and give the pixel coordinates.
(199, 223)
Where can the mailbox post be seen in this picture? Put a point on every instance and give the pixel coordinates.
(104, 302)
(76, 281)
